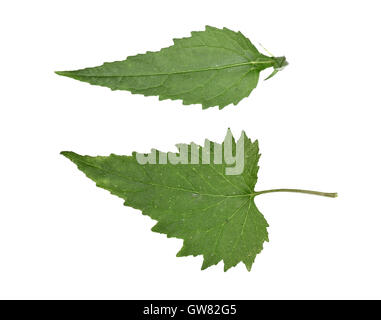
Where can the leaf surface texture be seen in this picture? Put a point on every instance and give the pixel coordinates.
(214, 213)
(215, 67)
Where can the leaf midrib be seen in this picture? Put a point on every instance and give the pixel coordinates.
(234, 65)
(162, 185)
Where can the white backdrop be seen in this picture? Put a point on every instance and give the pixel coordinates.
(317, 122)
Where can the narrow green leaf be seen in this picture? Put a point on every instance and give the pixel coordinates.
(215, 67)
(203, 195)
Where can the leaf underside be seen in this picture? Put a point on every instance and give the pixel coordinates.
(212, 212)
(215, 67)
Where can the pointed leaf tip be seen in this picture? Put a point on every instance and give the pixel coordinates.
(65, 153)
(61, 73)
(70, 155)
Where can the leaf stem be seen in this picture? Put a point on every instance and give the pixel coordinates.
(317, 193)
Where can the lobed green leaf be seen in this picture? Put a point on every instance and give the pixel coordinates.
(213, 212)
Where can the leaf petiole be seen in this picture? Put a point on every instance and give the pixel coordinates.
(317, 193)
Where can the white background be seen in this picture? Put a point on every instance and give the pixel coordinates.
(317, 122)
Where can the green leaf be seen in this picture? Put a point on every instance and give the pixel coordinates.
(197, 195)
(215, 67)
